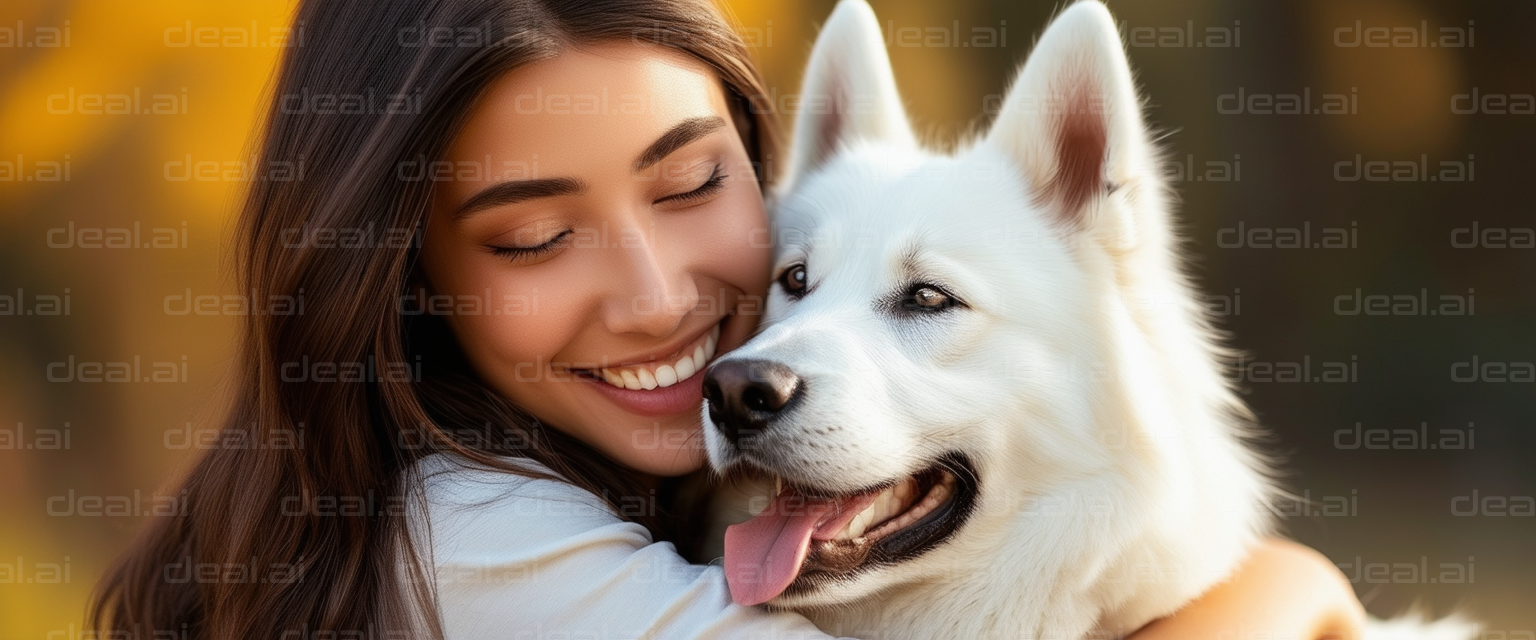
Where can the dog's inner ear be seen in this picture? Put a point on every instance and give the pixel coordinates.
(1082, 141)
(1072, 120)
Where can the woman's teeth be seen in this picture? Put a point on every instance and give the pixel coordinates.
(653, 376)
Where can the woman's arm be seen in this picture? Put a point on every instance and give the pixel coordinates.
(518, 557)
(1283, 590)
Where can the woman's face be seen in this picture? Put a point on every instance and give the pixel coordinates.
(594, 225)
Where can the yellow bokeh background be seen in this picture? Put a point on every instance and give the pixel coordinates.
(116, 167)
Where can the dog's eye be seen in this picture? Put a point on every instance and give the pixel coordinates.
(927, 299)
(793, 280)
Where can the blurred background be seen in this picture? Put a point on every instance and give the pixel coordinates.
(1350, 175)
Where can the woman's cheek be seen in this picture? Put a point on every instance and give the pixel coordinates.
(521, 322)
(738, 240)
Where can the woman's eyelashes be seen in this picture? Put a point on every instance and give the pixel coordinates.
(523, 254)
(712, 185)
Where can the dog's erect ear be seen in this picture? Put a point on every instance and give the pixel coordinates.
(1072, 119)
(849, 92)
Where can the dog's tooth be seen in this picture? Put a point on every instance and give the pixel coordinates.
(666, 376)
(861, 522)
(931, 501)
(935, 497)
(894, 504)
(857, 527)
(698, 357)
(847, 532)
(684, 367)
(882, 508)
(914, 516)
(928, 501)
(613, 378)
(647, 381)
(886, 506)
(853, 529)
(630, 381)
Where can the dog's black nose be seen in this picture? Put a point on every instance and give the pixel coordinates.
(745, 394)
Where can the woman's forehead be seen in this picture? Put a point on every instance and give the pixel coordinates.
(596, 92)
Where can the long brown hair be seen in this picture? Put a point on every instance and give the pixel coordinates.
(358, 384)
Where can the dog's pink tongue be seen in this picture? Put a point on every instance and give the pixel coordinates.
(763, 555)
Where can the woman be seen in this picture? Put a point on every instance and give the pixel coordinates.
(519, 219)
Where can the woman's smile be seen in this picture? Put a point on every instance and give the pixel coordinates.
(658, 385)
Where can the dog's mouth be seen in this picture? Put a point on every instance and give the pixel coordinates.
(805, 538)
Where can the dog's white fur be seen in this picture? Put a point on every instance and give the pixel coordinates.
(1081, 375)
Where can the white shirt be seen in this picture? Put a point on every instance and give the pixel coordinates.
(519, 557)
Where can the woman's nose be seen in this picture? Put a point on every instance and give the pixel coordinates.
(653, 291)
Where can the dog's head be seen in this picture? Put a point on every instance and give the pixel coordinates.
(937, 333)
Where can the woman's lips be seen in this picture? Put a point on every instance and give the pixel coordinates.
(686, 395)
(661, 388)
(665, 373)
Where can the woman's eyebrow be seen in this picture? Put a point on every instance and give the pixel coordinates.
(503, 193)
(685, 132)
(517, 191)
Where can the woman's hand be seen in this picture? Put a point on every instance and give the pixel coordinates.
(1282, 590)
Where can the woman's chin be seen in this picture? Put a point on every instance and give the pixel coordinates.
(666, 452)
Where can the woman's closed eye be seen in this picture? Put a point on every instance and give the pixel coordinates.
(526, 253)
(711, 186)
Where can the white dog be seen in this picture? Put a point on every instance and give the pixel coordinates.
(993, 404)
